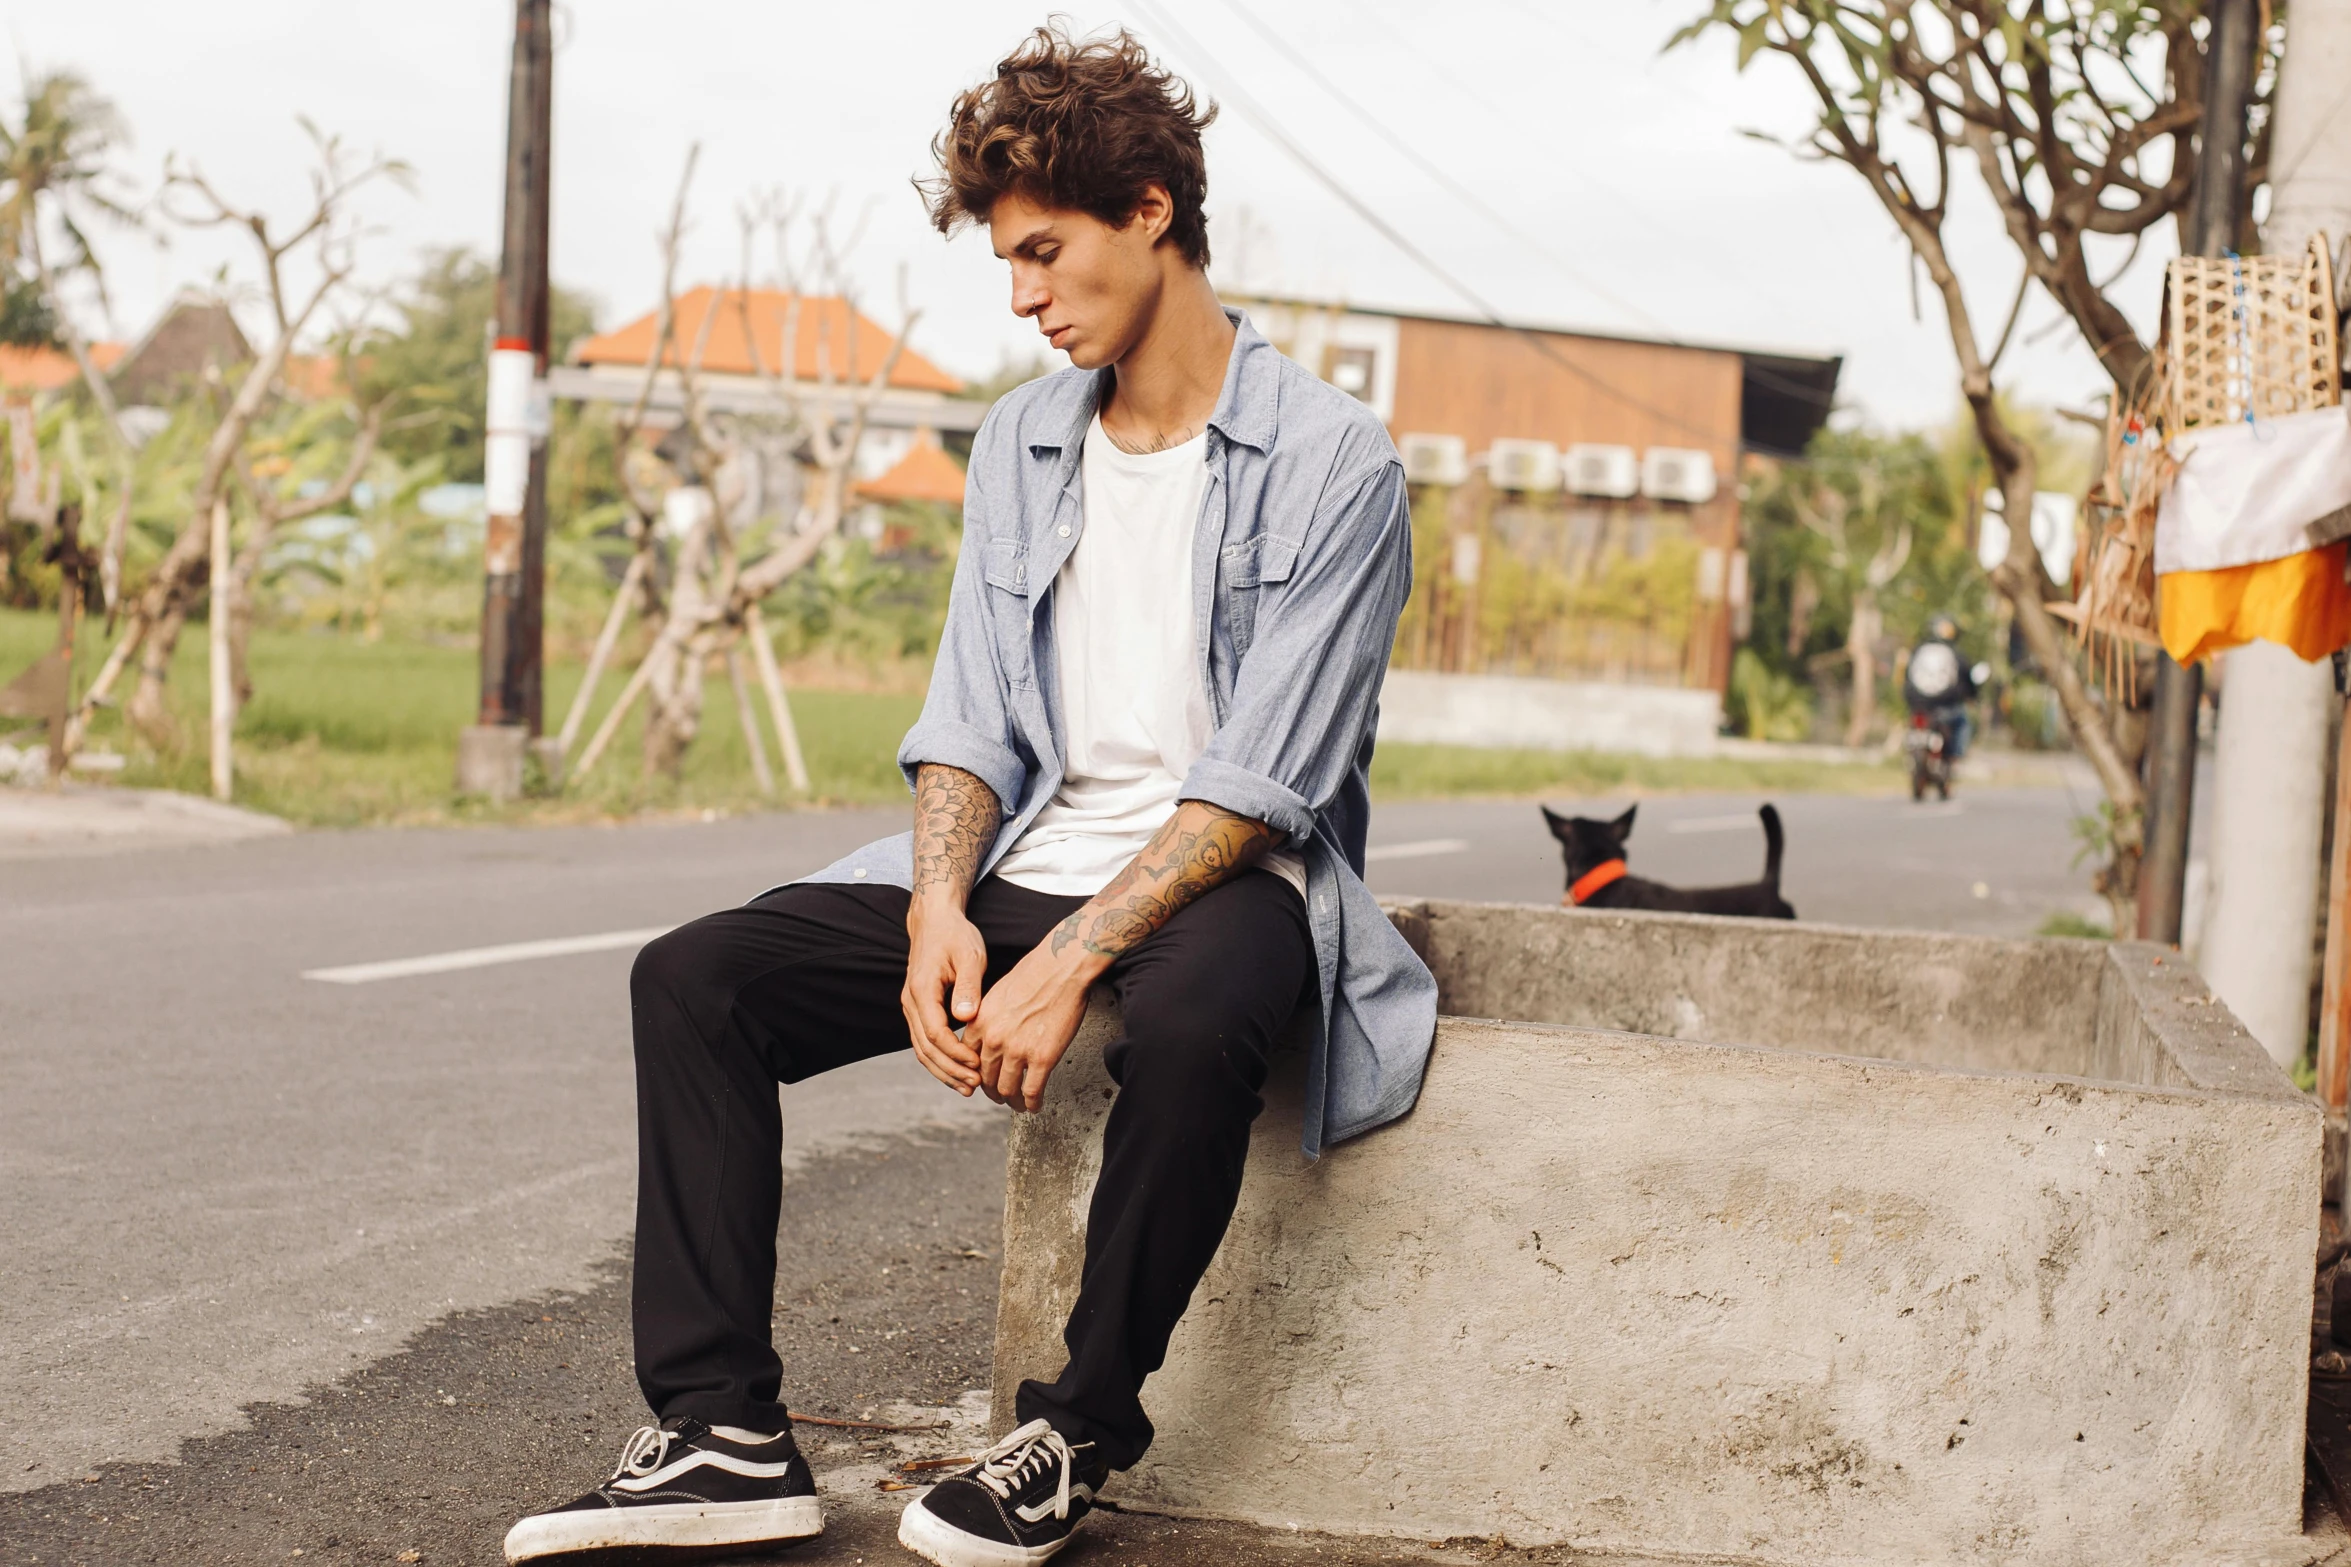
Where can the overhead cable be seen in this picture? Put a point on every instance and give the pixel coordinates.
(1452, 187)
(1271, 128)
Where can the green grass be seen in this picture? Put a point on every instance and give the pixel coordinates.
(346, 733)
(1420, 772)
(2066, 923)
(342, 732)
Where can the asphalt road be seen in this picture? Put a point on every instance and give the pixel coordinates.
(240, 1200)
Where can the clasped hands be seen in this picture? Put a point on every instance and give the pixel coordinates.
(1014, 1033)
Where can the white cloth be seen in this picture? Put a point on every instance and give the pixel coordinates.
(2247, 492)
(1134, 699)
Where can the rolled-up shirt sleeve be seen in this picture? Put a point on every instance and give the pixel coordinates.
(966, 717)
(1309, 682)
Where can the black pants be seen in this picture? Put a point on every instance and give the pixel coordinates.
(807, 979)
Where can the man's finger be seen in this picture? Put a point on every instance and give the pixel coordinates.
(970, 969)
(1032, 1085)
(1010, 1070)
(932, 1028)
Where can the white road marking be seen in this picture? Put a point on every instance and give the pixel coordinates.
(1714, 823)
(1419, 849)
(484, 957)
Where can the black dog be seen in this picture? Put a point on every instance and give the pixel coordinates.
(1596, 877)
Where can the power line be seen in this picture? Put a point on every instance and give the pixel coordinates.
(1452, 186)
(1161, 22)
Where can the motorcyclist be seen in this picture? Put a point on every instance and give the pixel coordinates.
(1938, 682)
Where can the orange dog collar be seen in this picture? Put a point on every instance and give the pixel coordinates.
(1594, 879)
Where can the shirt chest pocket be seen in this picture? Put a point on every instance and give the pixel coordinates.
(1006, 572)
(1246, 570)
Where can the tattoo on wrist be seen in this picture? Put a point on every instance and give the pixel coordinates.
(1184, 859)
(955, 819)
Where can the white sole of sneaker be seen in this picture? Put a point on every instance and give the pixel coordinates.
(682, 1524)
(934, 1539)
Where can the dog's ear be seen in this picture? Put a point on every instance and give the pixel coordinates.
(1562, 827)
(1622, 827)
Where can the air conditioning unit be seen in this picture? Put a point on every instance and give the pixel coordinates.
(1434, 459)
(1610, 471)
(1531, 466)
(1675, 473)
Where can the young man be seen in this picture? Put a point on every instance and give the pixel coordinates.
(1142, 763)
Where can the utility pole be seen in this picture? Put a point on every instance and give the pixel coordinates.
(2171, 729)
(490, 752)
(2270, 760)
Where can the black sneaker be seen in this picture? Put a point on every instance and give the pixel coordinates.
(681, 1485)
(1020, 1503)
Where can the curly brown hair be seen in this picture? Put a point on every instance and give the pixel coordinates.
(1080, 124)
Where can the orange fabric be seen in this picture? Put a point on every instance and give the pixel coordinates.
(2300, 602)
(1594, 879)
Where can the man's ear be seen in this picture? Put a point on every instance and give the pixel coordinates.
(1622, 827)
(1155, 211)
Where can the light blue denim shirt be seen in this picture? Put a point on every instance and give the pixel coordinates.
(1300, 566)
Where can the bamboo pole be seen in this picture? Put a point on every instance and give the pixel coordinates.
(606, 640)
(620, 710)
(778, 709)
(749, 719)
(224, 685)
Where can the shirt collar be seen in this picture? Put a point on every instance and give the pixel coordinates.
(1244, 408)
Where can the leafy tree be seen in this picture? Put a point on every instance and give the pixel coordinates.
(56, 168)
(2077, 120)
(26, 321)
(438, 357)
(1853, 551)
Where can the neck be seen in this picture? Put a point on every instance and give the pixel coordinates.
(1166, 386)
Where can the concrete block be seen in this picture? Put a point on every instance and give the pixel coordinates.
(1760, 1242)
(1506, 712)
(490, 761)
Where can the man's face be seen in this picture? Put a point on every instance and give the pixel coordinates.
(1090, 288)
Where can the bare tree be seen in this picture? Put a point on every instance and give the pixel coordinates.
(714, 595)
(2077, 117)
(328, 233)
(642, 492)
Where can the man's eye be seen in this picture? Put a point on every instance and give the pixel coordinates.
(1045, 257)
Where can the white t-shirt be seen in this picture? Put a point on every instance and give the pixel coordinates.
(1133, 706)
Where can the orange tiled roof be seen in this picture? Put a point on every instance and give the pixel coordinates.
(46, 369)
(824, 323)
(925, 473)
(313, 375)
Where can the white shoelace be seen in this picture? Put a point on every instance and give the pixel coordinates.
(1024, 1453)
(647, 1450)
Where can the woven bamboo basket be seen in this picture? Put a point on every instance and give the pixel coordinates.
(2250, 337)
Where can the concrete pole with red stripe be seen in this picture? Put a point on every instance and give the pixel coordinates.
(491, 751)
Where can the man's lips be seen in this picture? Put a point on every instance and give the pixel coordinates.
(1053, 334)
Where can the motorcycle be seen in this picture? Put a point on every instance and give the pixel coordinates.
(1929, 743)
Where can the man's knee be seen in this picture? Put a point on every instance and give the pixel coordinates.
(1197, 1062)
(674, 964)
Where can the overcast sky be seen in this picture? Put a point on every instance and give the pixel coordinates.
(1640, 208)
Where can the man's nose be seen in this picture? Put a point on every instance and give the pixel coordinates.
(1027, 298)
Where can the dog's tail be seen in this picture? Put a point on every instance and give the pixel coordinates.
(1773, 842)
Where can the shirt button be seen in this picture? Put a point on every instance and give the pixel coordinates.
(1063, 530)
(859, 874)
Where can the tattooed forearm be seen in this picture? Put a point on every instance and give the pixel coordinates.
(1201, 846)
(955, 819)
